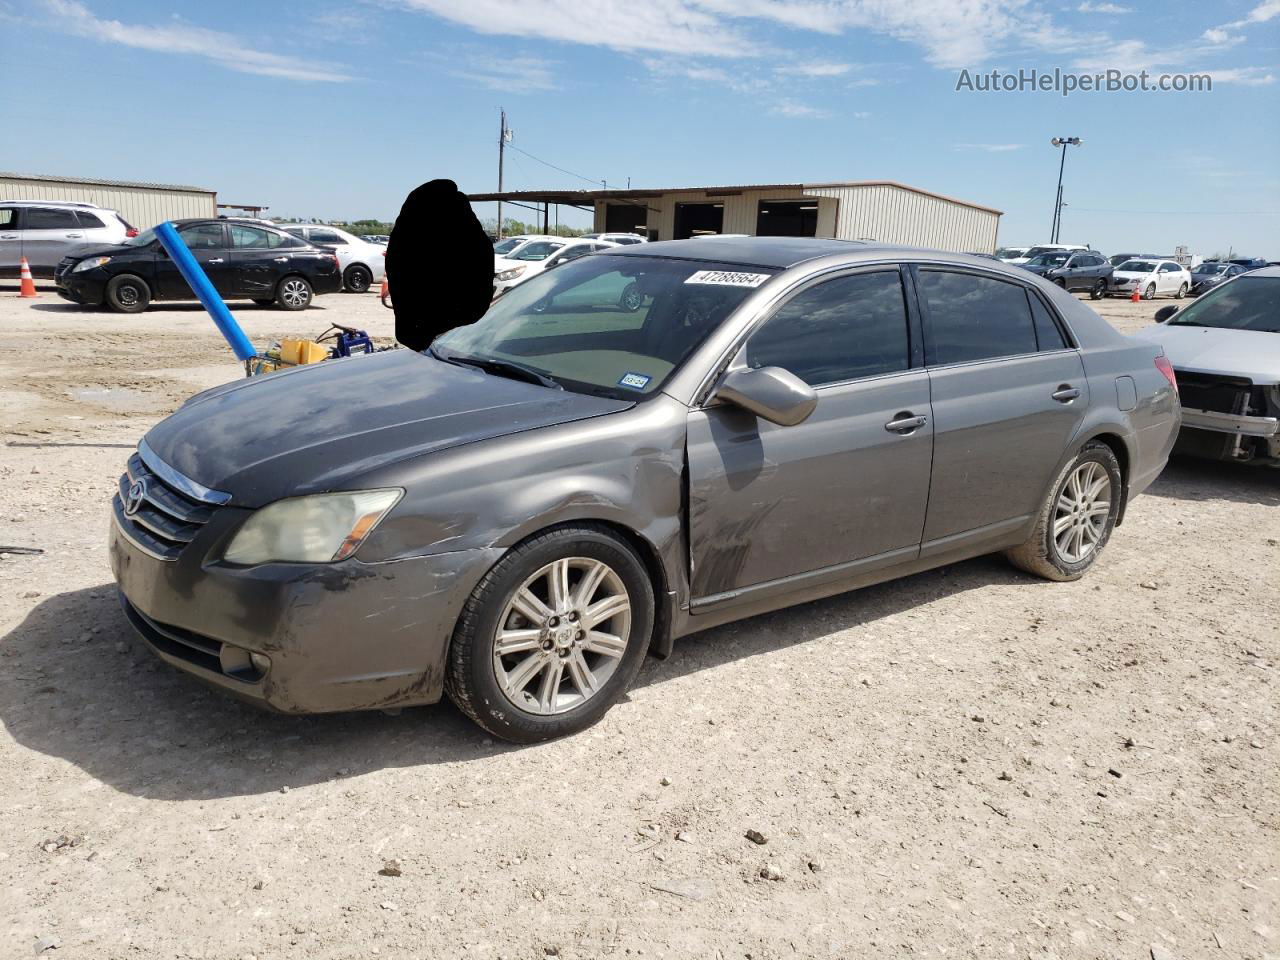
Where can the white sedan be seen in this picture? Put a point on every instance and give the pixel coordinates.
(363, 263)
(539, 257)
(1151, 277)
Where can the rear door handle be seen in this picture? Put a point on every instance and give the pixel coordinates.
(1065, 393)
(8, 236)
(282, 259)
(215, 260)
(905, 422)
(74, 236)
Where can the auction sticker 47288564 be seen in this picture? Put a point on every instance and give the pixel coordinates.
(728, 278)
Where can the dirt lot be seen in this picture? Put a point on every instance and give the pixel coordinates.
(967, 763)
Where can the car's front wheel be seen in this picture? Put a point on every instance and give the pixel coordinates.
(1098, 290)
(128, 294)
(1150, 293)
(294, 293)
(1076, 520)
(357, 279)
(1182, 291)
(552, 636)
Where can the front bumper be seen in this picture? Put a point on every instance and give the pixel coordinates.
(87, 288)
(344, 636)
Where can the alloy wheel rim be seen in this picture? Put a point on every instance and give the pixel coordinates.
(562, 635)
(1081, 512)
(295, 293)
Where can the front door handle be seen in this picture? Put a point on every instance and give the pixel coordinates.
(905, 422)
(8, 236)
(282, 259)
(215, 260)
(1065, 393)
(74, 236)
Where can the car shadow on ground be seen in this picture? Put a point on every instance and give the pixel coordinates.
(1187, 478)
(77, 683)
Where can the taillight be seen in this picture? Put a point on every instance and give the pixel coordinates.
(131, 232)
(1165, 367)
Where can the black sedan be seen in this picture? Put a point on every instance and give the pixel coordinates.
(1211, 273)
(243, 261)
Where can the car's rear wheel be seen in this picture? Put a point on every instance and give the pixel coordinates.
(1150, 292)
(552, 636)
(358, 278)
(1182, 291)
(1098, 290)
(1076, 520)
(128, 294)
(293, 293)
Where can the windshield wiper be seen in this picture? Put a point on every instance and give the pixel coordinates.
(507, 368)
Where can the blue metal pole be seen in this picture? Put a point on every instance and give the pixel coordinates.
(199, 282)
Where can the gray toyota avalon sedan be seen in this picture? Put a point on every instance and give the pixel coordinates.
(627, 449)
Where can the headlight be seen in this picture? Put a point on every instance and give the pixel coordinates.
(509, 274)
(90, 263)
(321, 529)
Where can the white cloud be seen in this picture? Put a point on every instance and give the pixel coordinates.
(1248, 76)
(1088, 7)
(816, 69)
(534, 74)
(790, 108)
(221, 48)
(989, 147)
(1263, 12)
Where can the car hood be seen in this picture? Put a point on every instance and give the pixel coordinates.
(82, 250)
(319, 428)
(1036, 268)
(1236, 353)
(1207, 278)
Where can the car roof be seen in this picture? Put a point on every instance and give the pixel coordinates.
(760, 251)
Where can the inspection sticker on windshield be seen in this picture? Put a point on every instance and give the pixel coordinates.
(636, 381)
(726, 278)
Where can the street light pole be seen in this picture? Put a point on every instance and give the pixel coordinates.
(1055, 228)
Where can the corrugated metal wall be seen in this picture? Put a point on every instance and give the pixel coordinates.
(881, 212)
(142, 206)
(894, 215)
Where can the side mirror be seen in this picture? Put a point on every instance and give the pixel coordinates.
(1164, 313)
(771, 393)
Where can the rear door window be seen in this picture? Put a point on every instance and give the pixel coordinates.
(842, 329)
(251, 238)
(971, 317)
(51, 218)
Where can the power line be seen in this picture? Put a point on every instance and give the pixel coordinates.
(512, 146)
(1183, 213)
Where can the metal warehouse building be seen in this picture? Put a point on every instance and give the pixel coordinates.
(848, 210)
(142, 204)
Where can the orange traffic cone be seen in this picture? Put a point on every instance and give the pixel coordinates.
(1136, 297)
(28, 285)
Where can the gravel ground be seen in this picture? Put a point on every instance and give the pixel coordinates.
(969, 762)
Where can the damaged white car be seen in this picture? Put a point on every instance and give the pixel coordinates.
(1225, 351)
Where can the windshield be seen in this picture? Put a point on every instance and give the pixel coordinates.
(607, 325)
(1246, 303)
(1010, 253)
(1049, 260)
(1137, 266)
(538, 250)
(507, 245)
(142, 239)
(1210, 268)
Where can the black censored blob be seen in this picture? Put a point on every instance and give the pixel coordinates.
(439, 264)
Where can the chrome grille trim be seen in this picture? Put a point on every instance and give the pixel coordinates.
(184, 485)
(171, 511)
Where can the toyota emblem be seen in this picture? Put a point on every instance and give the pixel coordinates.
(137, 493)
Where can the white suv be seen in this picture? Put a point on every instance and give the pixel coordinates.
(46, 231)
(363, 263)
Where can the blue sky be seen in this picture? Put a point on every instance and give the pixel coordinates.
(338, 109)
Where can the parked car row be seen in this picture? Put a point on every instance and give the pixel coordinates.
(522, 257)
(1075, 267)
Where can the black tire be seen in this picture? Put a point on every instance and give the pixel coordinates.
(471, 678)
(1182, 292)
(1098, 290)
(128, 294)
(1041, 553)
(269, 301)
(1062, 283)
(293, 293)
(357, 279)
(1150, 292)
(631, 299)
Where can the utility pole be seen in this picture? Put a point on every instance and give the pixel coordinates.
(1056, 228)
(504, 137)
